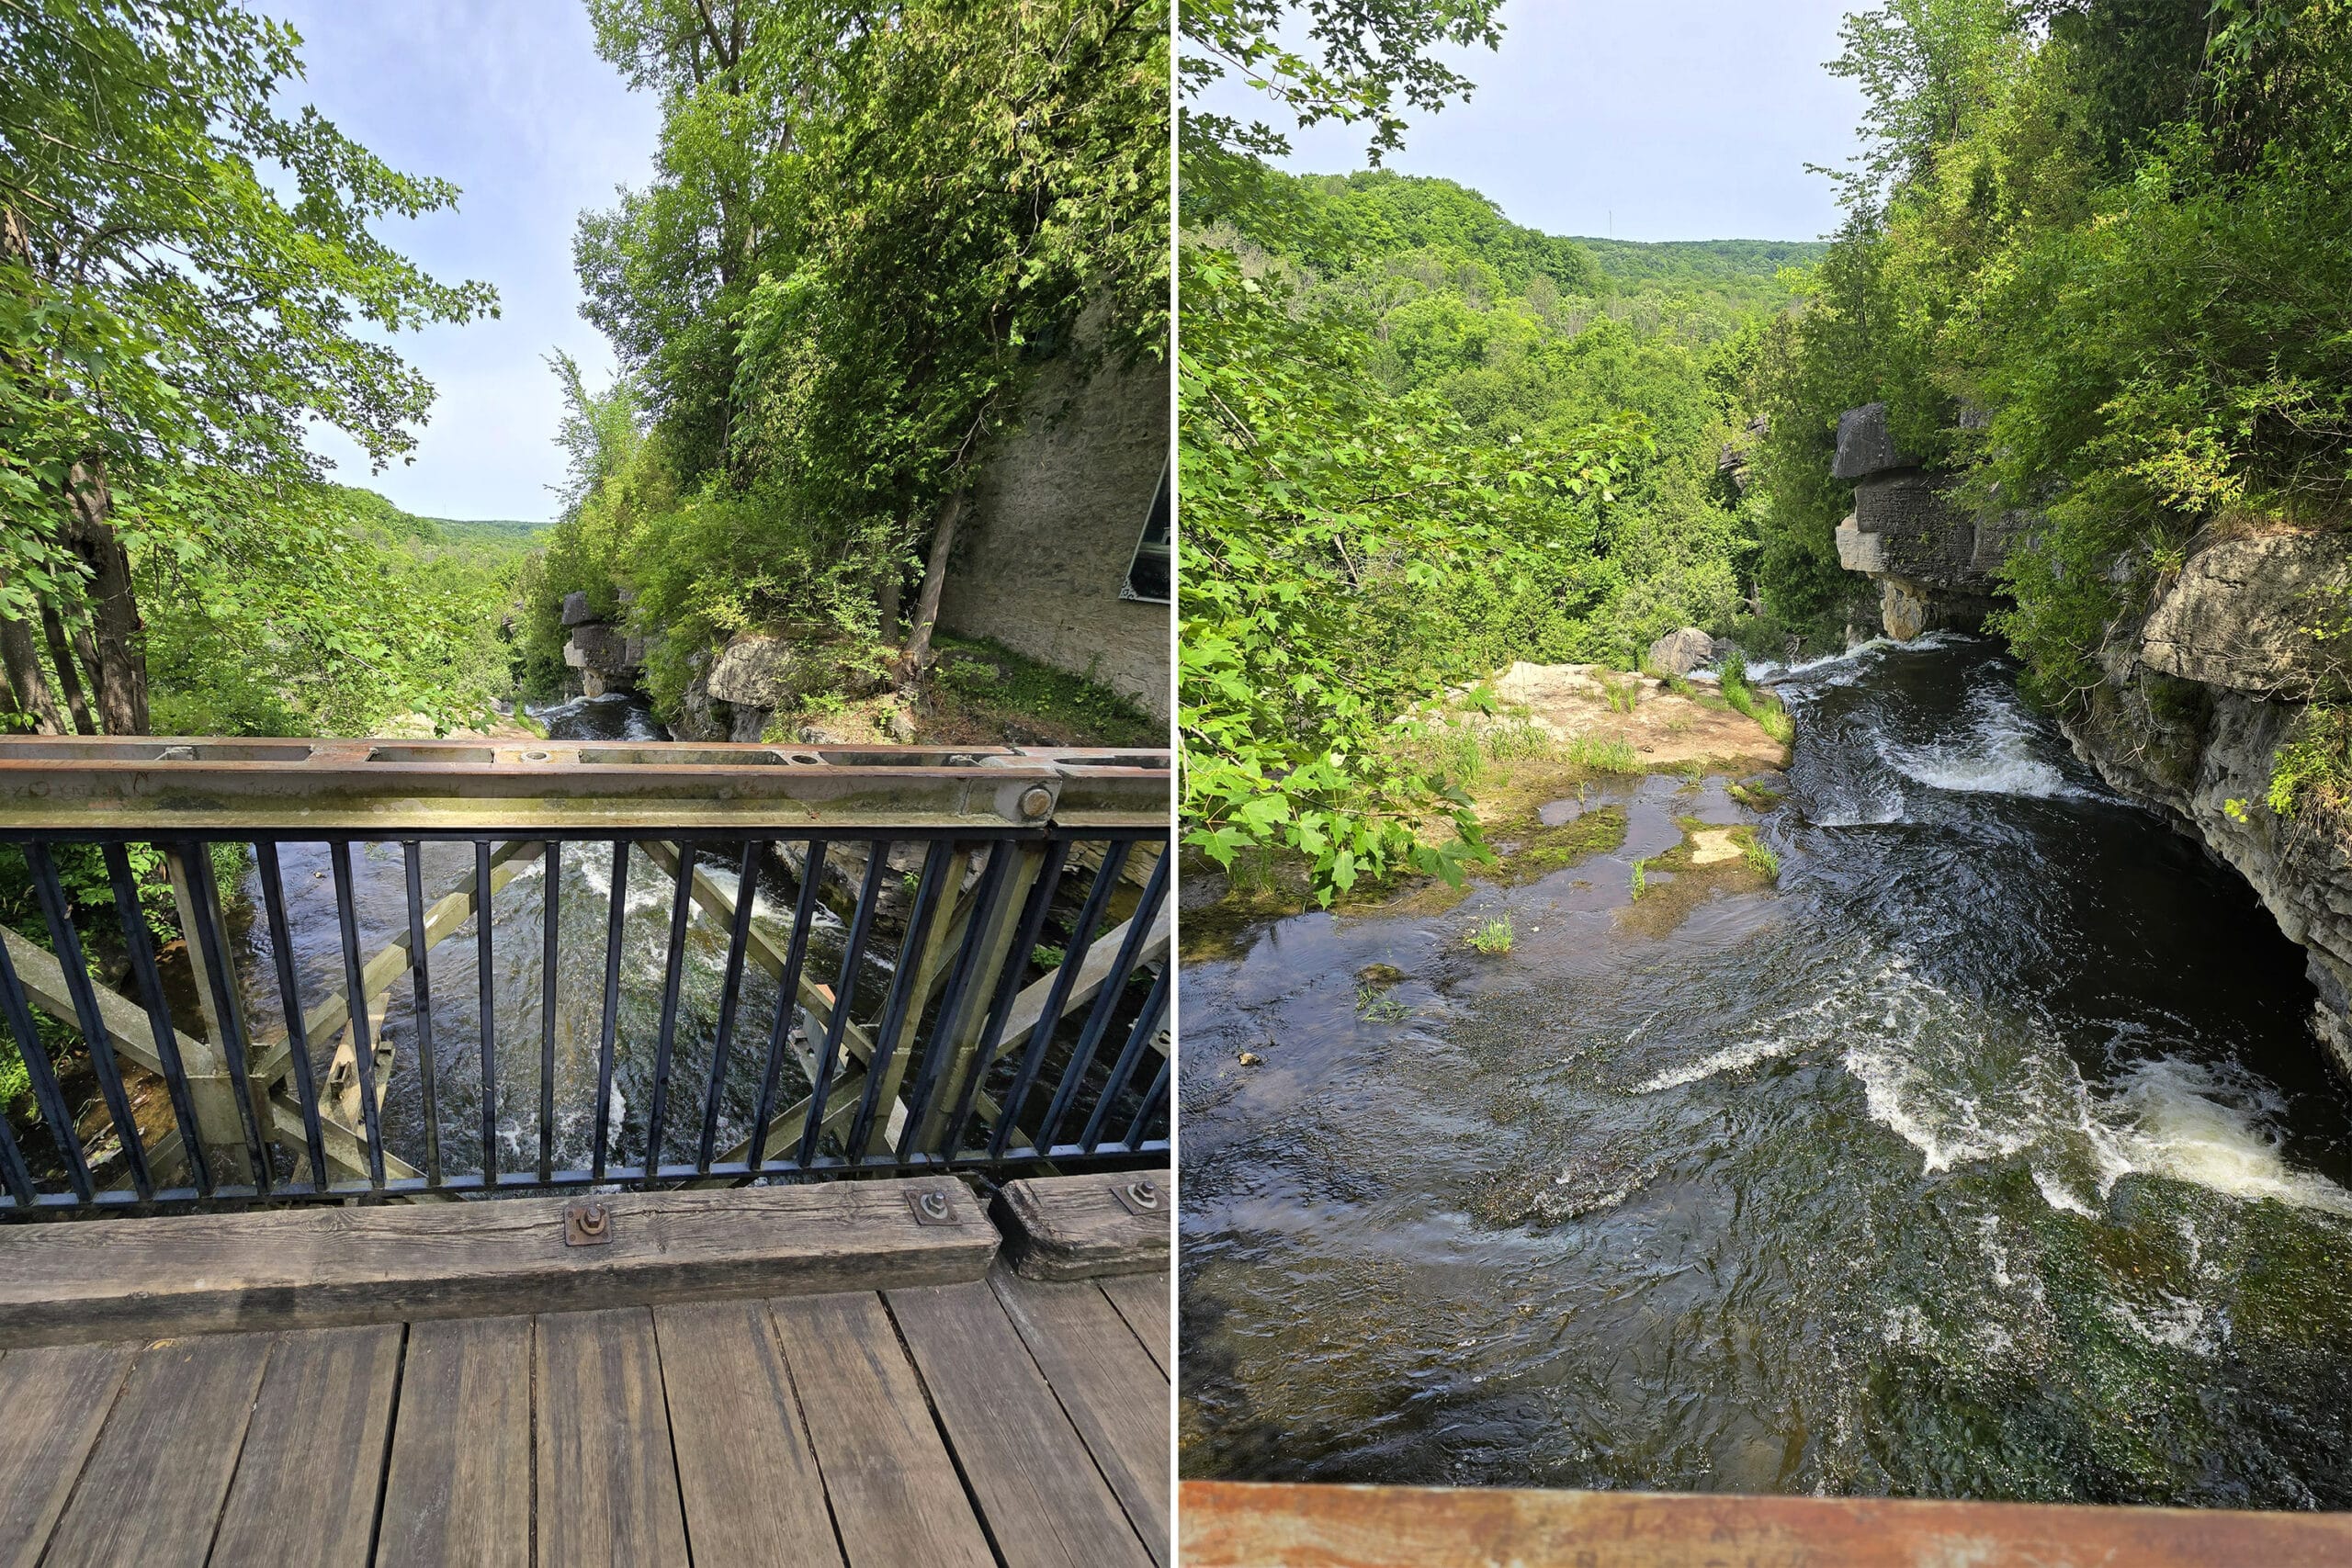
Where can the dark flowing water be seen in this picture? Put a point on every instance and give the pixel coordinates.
(1991, 1155)
(517, 925)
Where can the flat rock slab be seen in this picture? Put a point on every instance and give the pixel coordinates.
(123, 1278)
(1665, 728)
(2242, 614)
(1078, 1227)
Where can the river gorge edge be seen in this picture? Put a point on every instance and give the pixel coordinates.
(2195, 697)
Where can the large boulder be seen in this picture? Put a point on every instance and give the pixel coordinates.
(1865, 445)
(576, 611)
(759, 672)
(1678, 653)
(2242, 613)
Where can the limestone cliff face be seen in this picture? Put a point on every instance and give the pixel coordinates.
(2196, 703)
(2198, 695)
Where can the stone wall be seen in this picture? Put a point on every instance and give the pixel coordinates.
(1041, 560)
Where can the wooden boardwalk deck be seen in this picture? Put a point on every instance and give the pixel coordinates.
(993, 1420)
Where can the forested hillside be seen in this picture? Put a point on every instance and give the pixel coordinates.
(1423, 441)
(190, 278)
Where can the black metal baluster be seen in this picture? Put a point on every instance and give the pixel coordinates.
(1155, 1008)
(1151, 1097)
(214, 942)
(614, 917)
(547, 1015)
(1106, 1002)
(12, 1162)
(485, 985)
(46, 1090)
(747, 884)
(281, 947)
(427, 1065)
(787, 998)
(988, 907)
(362, 1048)
(68, 947)
(828, 1059)
(1081, 941)
(904, 986)
(673, 973)
(1007, 990)
(141, 952)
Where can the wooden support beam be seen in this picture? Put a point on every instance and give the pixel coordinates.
(307, 1267)
(129, 1033)
(1076, 1227)
(272, 1057)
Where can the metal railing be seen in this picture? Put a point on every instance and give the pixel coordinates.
(907, 959)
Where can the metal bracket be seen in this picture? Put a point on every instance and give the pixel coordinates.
(587, 1221)
(1143, 1199)
(931, 1207)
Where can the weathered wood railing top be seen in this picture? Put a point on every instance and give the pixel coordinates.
(140, 785)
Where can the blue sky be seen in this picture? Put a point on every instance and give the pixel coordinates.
(1655, 120)
(507, 98)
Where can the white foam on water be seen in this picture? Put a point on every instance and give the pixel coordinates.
(1867, 803)
(2176, 1119)
(2175, 1323)
(2001, 752)
(1731, 1059)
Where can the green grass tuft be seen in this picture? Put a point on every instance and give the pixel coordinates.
(1494, 937)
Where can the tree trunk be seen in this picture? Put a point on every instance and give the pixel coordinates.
(885, 598)
(122, 659)
(27, 686)
(918, 656)
(61, 654)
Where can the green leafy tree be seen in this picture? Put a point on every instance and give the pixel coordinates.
(868, 229)
(184, 274)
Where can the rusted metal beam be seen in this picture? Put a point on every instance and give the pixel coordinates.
(144, 787)
(1226, 1524)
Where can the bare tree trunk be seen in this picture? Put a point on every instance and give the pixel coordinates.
(62, 655)
(918, 656)
(121, 655)
(886, 597)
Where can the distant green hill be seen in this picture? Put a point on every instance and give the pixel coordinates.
(492, 535)
(1376, 224)
(1631, 263)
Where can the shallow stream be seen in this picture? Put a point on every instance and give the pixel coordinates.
(1990, 1154)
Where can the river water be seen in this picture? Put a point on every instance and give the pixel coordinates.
(517, 926)
(1989, 1156)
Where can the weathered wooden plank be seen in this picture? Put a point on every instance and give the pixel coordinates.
(1232, 1524)
(1117, 1398)
(754, 1496)
(317, 1268)
(1076, 1227)
(606, 1486)
(305, 1483)
(51, 1404)
(459, 1487)
(895, 1496)
(1045, 1504)
(151, 1490)
(1142, 1300)
(1030, 1005)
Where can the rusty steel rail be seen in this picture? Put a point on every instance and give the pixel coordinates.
(1229, 1524)
(911, 1029)
(143, 786)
